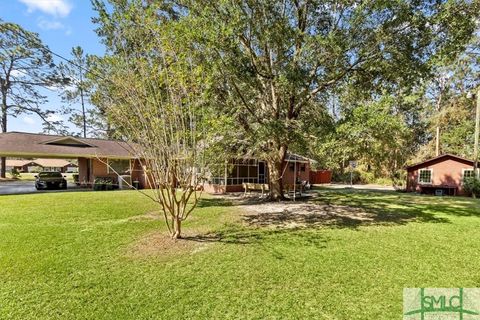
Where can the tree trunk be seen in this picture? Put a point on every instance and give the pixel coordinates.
(177, 228)
(437, 142)
(3, 160)
(437, 133)
(275, 172)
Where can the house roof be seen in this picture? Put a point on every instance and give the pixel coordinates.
(55, 163)
(17, 163)
(440, 158)
(292, 157)
(21, 144)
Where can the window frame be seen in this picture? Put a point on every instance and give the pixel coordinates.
(419, 175)
(467, 169)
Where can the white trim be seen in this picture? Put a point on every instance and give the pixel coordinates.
(467, 169)
(431, 176)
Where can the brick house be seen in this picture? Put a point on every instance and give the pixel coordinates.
(231, 175)
(109, 158)
(95, 157)
(440, 175)
(60, 165)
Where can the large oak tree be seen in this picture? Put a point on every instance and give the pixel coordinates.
(273, 60)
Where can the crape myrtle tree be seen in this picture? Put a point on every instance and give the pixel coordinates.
(273, 60)
(25, 66)
(155, 101)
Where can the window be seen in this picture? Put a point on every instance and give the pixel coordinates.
(425, 176)
(291, 166)
(303, 167)
(468, 173)
(119, 166)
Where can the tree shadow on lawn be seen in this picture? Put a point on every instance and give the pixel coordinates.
(270, 240)
(420, 206)
(214, 201)
(299, 222)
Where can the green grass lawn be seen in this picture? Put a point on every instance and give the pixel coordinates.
(96, 255)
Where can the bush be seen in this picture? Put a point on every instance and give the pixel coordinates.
(75, 178)
(36, 169)
(14, 173)
(103, 183)
(345, 177)
(472, 186)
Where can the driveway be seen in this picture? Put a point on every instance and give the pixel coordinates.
(23, 187)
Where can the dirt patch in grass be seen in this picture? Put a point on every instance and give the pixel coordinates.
(159, 244)
(303, 214)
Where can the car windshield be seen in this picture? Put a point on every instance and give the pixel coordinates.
(50, 175)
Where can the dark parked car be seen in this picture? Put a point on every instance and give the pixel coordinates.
(50, 180)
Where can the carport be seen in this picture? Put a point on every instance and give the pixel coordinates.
(96, 157)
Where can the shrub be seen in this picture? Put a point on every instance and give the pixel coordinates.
(36, 169)
(471, 186)
(345, 177)
(14, 173)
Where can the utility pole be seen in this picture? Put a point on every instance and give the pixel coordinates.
(477, 132)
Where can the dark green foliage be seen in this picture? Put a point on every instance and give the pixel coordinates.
(14, 173)
(472, 186)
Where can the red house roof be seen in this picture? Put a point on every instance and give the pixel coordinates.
(440, 158)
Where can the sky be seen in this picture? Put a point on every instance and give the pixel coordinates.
(61, 25)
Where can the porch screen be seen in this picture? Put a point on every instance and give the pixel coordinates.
(119, 166)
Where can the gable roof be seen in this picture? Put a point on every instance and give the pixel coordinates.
(54, 163)
(292, 157)
(32, 145)
(69, 141)
(440, 158)
(17, 163)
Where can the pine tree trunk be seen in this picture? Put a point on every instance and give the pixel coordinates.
(437, 142)
(3, 165)
(3, 160)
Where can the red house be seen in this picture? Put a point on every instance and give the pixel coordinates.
(442, 175)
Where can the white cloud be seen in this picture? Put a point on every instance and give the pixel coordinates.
(28, 120)
(54, 117)
(58, 8)
(16, 73)
(50, 25)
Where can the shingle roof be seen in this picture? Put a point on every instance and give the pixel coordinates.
(292, 157)
(439, 158)
(55, 163)
(18, 144)
(17, 163)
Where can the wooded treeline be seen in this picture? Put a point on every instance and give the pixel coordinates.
(373, 81)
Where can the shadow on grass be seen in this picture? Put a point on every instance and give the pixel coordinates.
(424, 207)
(300, 221)
(215, 201)
(267, 238)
